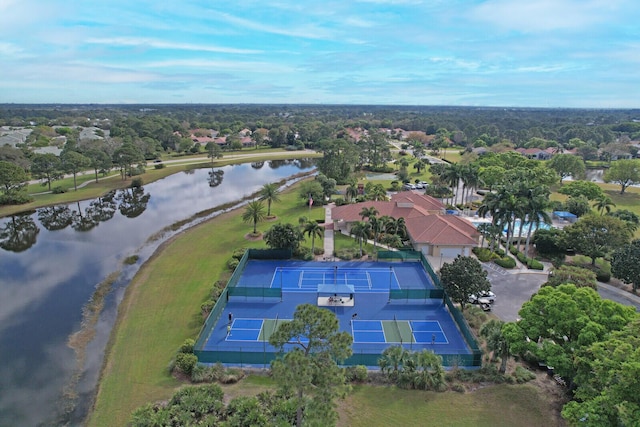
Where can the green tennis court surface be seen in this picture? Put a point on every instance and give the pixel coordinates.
(398, 331)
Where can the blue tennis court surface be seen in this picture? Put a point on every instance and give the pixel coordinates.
(367, 311)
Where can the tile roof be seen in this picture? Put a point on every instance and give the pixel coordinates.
(405, 204)
(441, 230)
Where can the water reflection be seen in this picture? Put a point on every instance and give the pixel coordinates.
(19, 234)
(215, 177)
(49, 270)
(133, 201)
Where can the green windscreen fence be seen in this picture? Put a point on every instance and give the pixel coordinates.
(269, 253)
(255, 292)
(466, 332)
(411, 294)
(212, 318)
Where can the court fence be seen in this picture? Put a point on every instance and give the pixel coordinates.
(461, 322)
(415, 294)
(252, 357)
(411, 256)
(232, 290)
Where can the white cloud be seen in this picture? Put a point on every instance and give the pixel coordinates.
(160, 44)
(546, 15)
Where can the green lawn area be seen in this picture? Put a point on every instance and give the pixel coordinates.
(495, 405)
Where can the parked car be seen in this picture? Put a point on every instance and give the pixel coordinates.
(488, 297)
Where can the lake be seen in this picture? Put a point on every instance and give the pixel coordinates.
(51, 262)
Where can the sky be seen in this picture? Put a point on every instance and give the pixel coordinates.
(519, 53)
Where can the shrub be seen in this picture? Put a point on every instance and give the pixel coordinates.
(521, 257)
(513, 250)
(239, 253)
(201, 373)
(158, 166)
(136, 182)
(185, 362)
(340, 201)
(523, 375)
(16, 198)
(187, 346)
(457, 387)
(534, 264)
(500, 252)
(483, 254)
(232, 264)
(318, 251)
(506, 262)
(357, 373)
(206, 307)
(130, 260)
(59, 190)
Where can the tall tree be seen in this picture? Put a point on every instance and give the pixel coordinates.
(624, 173)
(74, 162)
(46, 167)
(309, 369)
(463, 278)
(254, 213)
(271, 193)
(625, 264)
(13, 178)
(560, 321)
(360, 230)
(596, 236)
(603, 203)
(567, 165)
(496, 342)
(608, 390)
(313, 230)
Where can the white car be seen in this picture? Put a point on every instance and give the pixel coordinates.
(484, 297)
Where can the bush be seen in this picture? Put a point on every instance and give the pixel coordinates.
(457, 387)
(136, 182)
(18, 198)
(483, 254)
(318, 251)
(523, 375)
(357, 373)
(158, 166)
(506, 262)
(208, 374)
(500, 252)
(206, 307)
(239, 253)
(232, 264)
(187, 346)
(340, 201)
(521, 257)
(513, 250)
(185, 362)
(534, 264)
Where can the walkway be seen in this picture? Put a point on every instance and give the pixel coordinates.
(328, 232)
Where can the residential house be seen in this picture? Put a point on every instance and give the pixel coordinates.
(430, 229)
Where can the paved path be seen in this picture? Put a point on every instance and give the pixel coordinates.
(328, 232)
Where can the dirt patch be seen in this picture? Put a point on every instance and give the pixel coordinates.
(253, 237)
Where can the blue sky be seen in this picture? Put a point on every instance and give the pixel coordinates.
(536, 53)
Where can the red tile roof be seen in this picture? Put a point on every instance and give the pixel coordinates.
(405, 204)
(441, 230)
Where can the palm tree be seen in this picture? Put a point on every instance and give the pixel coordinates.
(270, 193)
(254, 212)
(302, 221)
(377, 193)
(360, 230)
(392, 361)
(451, 177)
(496, 342)
(351, 192)
(368, 213)
(536, 207)
(604, 203)
(419, 165)
(313, 230)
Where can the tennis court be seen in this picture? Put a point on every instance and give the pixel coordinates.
(362, 295)
(398, 332)
(311, 279)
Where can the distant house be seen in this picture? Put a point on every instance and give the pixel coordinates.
(534, 153)
(430, 229)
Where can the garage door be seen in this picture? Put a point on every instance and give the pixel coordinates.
(451, 252)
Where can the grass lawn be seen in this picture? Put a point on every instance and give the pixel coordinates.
(495, 405)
